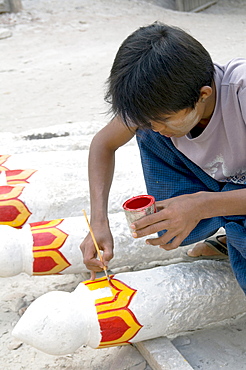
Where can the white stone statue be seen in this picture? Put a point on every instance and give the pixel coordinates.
(29, 197)
(133, 307)
(53, 247)
(52, 180)
(30, 194)
(47, 188)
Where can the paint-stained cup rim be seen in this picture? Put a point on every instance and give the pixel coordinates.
(138, 203)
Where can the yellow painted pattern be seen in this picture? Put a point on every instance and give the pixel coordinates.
(49, 227)
(58, 259)
(48, 239)
(19, 176)
(3, 159)
(13, 211)
(117, 322)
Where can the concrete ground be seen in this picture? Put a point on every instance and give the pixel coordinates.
(222, 347)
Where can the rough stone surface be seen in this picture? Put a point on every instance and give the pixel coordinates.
(5, 33)
(130, 357)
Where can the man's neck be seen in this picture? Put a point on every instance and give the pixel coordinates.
(209, 106)
(208, 112)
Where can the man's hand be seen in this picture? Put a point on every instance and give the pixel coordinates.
(178, 216)
(104, 240)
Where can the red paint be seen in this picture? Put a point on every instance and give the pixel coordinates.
(13, 172)
(8, 213)
(44, 238)
(47, 224)
(43, 264)
(112, 328)
(139, 202)
(19, 175)
(33, 224)
(6, 189)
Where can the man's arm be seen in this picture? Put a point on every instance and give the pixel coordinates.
(101, 170)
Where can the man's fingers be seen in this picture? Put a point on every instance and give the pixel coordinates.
(159, 205)
(158, 241)
(93, 264)
(151, 229)
(146, 221)
(107, 256)
(93, 275)
(164, 241)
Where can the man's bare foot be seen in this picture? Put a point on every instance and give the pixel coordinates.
(201, 249)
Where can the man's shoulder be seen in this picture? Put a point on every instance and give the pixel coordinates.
(233, 72)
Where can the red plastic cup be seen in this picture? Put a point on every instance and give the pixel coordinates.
(138, 207)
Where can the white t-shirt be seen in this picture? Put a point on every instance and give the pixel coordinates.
(220, 150)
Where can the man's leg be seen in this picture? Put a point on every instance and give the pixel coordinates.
(202, 249)
(231, 223)
(236, 244)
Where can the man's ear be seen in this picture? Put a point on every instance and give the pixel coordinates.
(205, 92)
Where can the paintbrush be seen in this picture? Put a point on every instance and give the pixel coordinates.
(96, 245)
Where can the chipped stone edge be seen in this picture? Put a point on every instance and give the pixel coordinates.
(161, 354)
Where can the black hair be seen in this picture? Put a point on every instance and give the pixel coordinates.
(157, 70)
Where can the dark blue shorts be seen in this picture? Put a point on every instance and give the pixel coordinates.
(169, 173)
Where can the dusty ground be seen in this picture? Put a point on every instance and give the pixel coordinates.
(53, 68)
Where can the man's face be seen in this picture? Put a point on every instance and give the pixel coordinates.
(178, 124)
